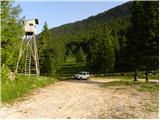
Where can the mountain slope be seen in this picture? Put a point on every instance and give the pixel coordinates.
(72, 31)
(69, 38)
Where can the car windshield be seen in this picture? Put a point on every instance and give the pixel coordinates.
(83, 73)
(80, 73)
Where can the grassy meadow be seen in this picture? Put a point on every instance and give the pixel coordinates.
(151, 87)
(21, 86)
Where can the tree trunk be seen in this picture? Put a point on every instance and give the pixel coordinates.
(147, 72)
(136, 75)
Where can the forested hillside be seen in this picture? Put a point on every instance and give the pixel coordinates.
(78, 30)
(74, 36)
(103, 42)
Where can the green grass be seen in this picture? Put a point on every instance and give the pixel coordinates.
(153, 76)
(151, 107)
(124, 115)
(21, 86)
(67, 70)
(119, 77)
(138, 85)
(128, 75)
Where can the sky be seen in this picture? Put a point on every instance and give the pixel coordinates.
(57, 13)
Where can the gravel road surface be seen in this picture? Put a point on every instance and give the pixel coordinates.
(83, 99)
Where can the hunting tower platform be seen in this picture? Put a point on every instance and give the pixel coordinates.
(28, 54)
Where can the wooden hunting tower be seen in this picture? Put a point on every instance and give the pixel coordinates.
(28, 50)
(30, 26)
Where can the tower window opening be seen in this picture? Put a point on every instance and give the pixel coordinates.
(30, 24)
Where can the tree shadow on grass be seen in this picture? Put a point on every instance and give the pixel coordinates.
(139, 85)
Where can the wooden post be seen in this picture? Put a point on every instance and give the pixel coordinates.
(30, 61)
(19, 57)
(26, 62)
(36, 56)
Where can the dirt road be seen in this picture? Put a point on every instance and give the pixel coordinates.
(83, 99)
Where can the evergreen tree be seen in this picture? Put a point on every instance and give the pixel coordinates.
(11, 33)
(133, 37)
(80, 57)
(150, 33)
(52, 52)
(47, 52)
(143, 35)
(122, 53)
(45, 37)
(101, 56)
(59, 51)
(70, 54)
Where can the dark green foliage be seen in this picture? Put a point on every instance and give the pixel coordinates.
(81, 30)
(118, 45)
(52, 52)
(134, 37)
(79, 34)
(143, 36)
(45, 38)
(46, 53)
(70, 54)
(80, 57)
(150, 33)
(118, 31)
(101, 56)
(59, 51)
(47, 62)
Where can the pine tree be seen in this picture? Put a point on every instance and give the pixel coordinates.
(45, 37)
(59, 51)
(101, 56)
(150, 33)
(46, 51)
(80, 57)
(143, 35)
(134, 58)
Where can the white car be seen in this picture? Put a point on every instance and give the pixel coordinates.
(82, 75)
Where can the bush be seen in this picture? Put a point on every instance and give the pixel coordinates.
(4, 74)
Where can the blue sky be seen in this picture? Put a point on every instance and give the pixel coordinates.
(59, 13)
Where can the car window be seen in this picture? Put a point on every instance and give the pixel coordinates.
(80, 73)
(84, 73)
